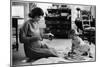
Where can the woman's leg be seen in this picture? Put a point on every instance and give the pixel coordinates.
(48, 52)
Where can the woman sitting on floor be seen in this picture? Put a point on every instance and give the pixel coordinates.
(31, 36)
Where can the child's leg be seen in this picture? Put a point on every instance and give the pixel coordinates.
(90, 55)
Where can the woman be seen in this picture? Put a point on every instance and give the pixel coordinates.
(31, 36)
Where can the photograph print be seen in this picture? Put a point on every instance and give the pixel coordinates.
(52, 33)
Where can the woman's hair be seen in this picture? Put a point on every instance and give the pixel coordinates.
(36, 12)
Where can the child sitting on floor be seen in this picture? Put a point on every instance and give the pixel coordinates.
(79, 47)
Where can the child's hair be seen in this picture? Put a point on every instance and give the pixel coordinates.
(72, 32)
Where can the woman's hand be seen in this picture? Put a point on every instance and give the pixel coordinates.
(44, 46)
(48, 36)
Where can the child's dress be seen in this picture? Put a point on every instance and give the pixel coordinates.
(79, 47)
